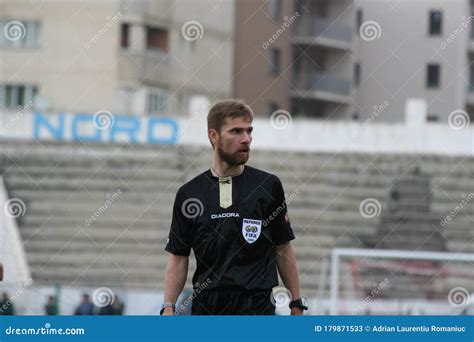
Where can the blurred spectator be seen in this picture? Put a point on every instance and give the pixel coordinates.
(86, 307)
(119, 306)
(51, 307)
(114, 308)
(6, 306)
(395, 199)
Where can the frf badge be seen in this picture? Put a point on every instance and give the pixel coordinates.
(251, 229)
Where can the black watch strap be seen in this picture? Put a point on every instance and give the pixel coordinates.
(301, 303)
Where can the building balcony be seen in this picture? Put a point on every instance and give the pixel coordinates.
(146, 8)
(149, 66)
(322, 86)
(320, 31)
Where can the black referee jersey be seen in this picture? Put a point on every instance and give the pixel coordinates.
(233, 239)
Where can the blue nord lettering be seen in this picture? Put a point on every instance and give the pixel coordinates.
(125, 128)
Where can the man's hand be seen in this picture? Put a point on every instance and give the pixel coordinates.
(296, 312)
(168, 312)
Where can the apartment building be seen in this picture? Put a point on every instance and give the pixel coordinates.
(419, 50)
(141, 57)
(355, 59)
(296, 56)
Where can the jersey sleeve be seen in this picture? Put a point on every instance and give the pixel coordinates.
(179, 238)
(280, 226)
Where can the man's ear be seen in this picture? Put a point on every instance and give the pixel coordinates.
(213, 136)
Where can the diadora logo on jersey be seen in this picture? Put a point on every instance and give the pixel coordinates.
(224, 215)
(251, 229)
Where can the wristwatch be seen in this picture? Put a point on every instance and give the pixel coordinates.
(301, 303)
(166, 305)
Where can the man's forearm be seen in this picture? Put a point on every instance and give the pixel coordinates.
(286, 263)
(176, 274)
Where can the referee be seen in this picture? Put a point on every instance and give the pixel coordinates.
(235, 219)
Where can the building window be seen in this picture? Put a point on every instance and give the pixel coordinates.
(297, 64)
(274, 8)
(436, 22)
(124, 36)
(272, 107)
(19, 34)
(356, 73)
(433, 76)
(156, 101)
(17, 96)
(274, 62)
(157, 39)
(359, 18)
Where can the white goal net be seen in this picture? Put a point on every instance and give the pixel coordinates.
(397, 282)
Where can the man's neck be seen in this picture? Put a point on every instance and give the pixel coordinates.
(222, 169)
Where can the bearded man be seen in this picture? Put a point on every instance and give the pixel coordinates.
(235, 219)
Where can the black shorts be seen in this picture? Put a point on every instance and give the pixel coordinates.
(233, 302)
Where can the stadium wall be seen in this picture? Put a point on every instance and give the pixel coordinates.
(276, 133)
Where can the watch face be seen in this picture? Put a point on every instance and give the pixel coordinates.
(304, 302)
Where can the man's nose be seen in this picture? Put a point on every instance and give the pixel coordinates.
(246, 139)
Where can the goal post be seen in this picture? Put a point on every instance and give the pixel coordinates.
(454, 268)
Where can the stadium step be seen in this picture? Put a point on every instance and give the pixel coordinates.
(62, 184)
